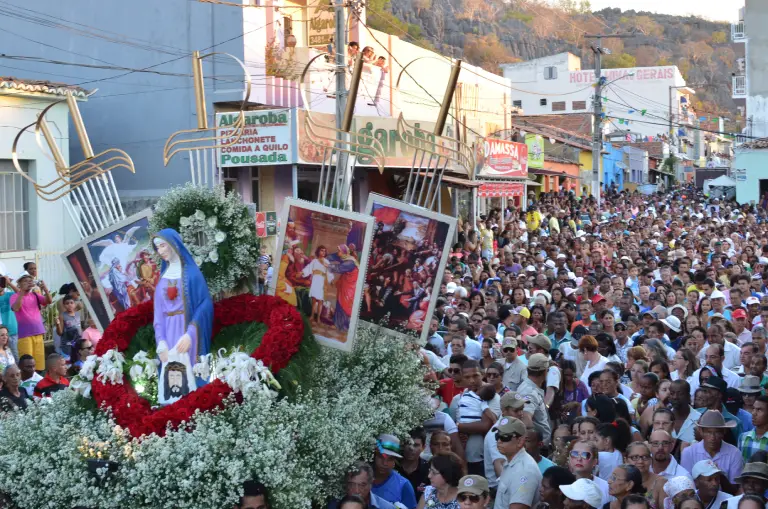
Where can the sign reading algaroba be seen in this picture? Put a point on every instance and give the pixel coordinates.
(266, 139)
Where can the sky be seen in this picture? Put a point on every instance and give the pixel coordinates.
(719, 10)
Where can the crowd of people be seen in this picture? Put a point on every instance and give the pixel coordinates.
(582, 356)
(28, 372)
(608, 357)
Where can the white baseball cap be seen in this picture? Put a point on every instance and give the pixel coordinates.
(584, 490)
(450, 287)
(705, 468)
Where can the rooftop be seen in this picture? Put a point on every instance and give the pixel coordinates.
(41, 87)
(757, 143)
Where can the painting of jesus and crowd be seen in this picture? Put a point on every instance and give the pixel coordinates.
(408, 255)
(322, 263)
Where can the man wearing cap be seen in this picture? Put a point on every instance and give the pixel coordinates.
(714, 394)
(514, 368)
(387, 483)
(718, 305)
(707, 477)
(531, 391)
(583, 494)
(756, 439)
(473, 492)
(753, 481)
(712, 428)
(743, 334)
(541, 344)
(512, 405)
(519, 481)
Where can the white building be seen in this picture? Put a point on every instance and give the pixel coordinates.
(32, 229)
(643, 96)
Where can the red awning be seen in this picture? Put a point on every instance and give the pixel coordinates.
(499, 189)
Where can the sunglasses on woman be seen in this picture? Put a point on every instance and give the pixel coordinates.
(585, 455)
(463, 497)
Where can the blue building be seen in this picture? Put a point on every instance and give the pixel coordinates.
(613, 166)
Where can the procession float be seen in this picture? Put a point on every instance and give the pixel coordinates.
(200, 384)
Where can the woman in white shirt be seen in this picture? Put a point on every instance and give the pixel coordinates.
(6, 356)
(594, 361)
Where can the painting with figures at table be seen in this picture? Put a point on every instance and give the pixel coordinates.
(409, 252)
(323, 256)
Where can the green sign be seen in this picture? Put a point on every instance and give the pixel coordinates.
(535, 150)
(271, 224)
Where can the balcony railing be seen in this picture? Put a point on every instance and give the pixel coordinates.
(739, 87)
(737, 32)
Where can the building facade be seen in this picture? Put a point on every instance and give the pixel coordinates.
(636, 99)
(33, 229)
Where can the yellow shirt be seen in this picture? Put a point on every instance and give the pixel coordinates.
(533, 219)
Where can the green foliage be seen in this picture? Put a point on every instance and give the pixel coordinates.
(513, 14)
(621, 60)
(718, 37)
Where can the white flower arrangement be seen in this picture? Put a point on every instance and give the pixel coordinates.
(240, 371)
(143, 366)
(202, 237)
(299, 448)
(216, 228)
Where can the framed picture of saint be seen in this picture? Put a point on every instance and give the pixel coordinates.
(408, 256)
(323, 255)
(126, 270)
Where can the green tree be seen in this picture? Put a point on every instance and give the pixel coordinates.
(718, 37)
(621, 60)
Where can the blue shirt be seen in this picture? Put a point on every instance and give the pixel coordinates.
(746, 420)
(396, 489)
(7, 316)
(544, 464)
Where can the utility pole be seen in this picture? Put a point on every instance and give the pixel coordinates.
(597, 134)
(341, 62)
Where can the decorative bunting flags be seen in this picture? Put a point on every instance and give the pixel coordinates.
(643, 112)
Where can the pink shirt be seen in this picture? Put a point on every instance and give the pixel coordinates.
(28, 317)
(93, 335)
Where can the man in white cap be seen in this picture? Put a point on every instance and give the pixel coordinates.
(583, 494)
(718, 305)
(706, 477)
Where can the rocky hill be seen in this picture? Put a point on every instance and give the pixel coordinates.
(493, 32)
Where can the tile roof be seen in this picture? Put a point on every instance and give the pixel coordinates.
(41, 86)
(575, 124)
(757, 143)
(654, 148)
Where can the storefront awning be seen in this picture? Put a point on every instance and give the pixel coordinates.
(533, 183)
(500, 189)
(455, 181)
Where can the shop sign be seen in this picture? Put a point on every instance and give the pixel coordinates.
(266, 139)
(266, 224)
(271, 218)
(322, 23)
(535, 143)
(384, 129)
(499, 189)
(502, 158)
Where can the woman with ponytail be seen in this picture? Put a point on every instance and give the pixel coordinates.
(612, 441)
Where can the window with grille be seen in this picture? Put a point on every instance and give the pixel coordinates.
(579, 105)
(14, 208)
(558, 106)
(517, 104)
(229, 176)
(542, 102)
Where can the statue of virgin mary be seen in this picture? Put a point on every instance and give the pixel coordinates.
(183, 316)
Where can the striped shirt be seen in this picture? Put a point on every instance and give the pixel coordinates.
(749, 444)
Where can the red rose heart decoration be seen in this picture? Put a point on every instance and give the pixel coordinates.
(278, 345)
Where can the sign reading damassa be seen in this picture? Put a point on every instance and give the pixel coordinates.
(323, 259)
(502, 158)
(410, 249)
